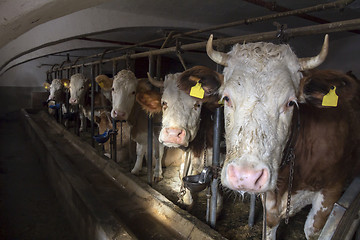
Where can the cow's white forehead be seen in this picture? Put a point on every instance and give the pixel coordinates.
(174, 96)
(263, 64)
(77, 80)
(125, 79)
(56, 84)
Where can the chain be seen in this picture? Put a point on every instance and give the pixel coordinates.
(291, 158)
(181, 194)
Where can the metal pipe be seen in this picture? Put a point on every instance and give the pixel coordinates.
(316, 8)
(294, 32)
(150, 131)
(251, 219)
(92, 76)
(215, 163)
(113, 145)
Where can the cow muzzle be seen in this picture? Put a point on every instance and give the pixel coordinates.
(246, 177)
(118, 115)
(173, 137)
(73, 101)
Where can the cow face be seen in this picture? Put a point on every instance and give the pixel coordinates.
(123, 94)
(261, 83)
(55, 90)
(181, 114)
(79, 86)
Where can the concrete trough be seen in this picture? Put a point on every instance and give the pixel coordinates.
(101, 200)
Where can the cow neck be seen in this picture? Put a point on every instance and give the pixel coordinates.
(134, 114)
(204, 136)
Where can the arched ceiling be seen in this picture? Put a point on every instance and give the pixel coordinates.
(34, 29)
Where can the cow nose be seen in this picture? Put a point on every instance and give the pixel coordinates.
(246, 178)
(118, 114)
(72, 101)
(175, 132)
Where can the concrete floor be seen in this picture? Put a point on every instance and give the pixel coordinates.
(28, 206)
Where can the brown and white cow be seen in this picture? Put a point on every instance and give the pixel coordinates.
(58, 90)
(80, 95)
(186, 121)
(265, 93)
(57, 93)
(125, 107)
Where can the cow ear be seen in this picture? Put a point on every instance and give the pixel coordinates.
(46, 85)
(209, 79)
(150, 101)
(65, 82)
(104, 82)
(319, 84)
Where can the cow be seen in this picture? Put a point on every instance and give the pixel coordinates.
(57, 95)
(80, 95)
(125, 87)
(278, 119)
(187, 121)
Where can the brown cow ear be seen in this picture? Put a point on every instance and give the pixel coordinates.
(209, 79)
(150, 101)
(104, 82)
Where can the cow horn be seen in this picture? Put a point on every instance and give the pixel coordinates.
(216, 56)
(313, 62)
(156, 83)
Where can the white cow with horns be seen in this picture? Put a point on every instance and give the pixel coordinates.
(263, 95)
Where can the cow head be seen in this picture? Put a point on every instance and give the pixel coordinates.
(260, 90)
(124, 89)
(181, 112)
(56, 89)
(79, 86)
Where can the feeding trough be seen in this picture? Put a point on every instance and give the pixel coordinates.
(55, 106)
(103, 138)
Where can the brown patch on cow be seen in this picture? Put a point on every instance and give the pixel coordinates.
(210, 81)
(150, 101)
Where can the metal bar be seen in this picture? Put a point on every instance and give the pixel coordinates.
(294, 32)
(150, 131)
(113, 147)
(92, 76)
(316, 8)
(215, 163)
(251, 219)
(273, 6)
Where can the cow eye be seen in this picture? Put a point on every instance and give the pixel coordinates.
(133, 93)
(164, 105)
(112, 89)
(291, 103)
(227, 100)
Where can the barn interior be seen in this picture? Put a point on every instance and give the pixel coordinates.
(46, 39)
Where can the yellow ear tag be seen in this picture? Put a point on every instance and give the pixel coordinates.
(330, 99)
(221, 101)
(65, 84)
(197, 91)
(101, 84)
(89, 84)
